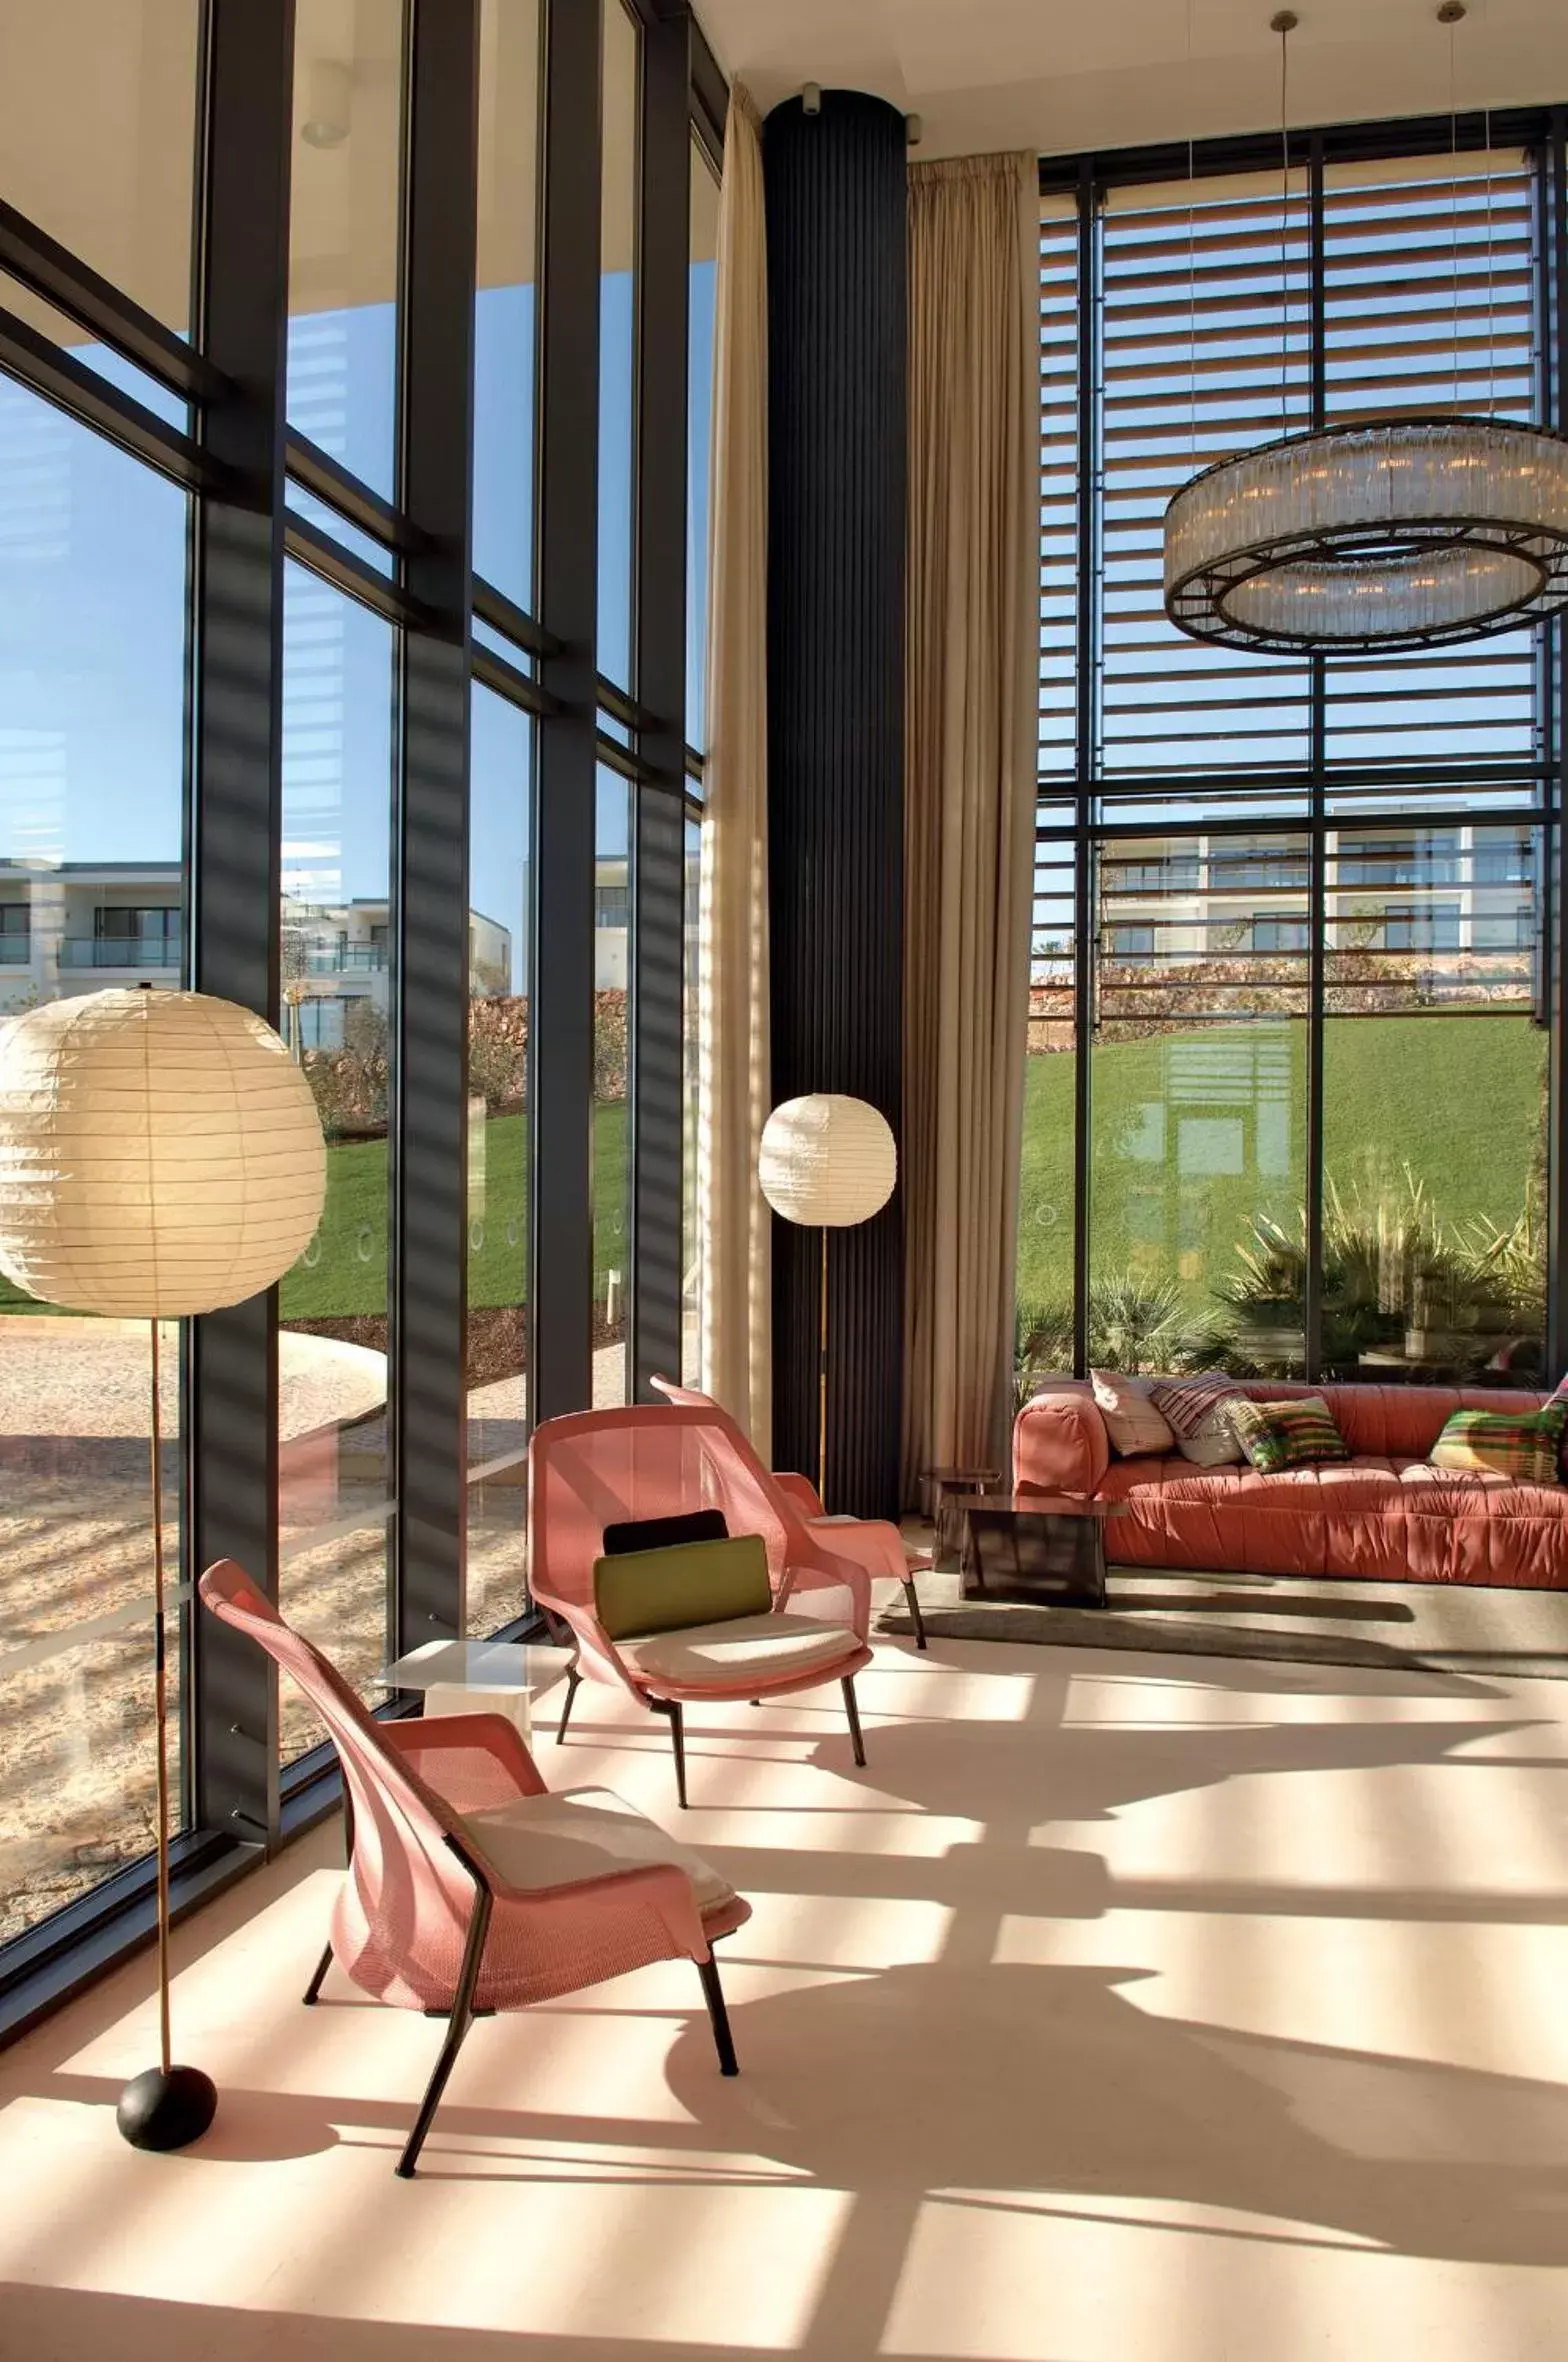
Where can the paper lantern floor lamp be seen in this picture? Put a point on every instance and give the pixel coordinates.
(826, 1162)
(160, 1155)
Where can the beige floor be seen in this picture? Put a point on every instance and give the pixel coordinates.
(1124, 2010)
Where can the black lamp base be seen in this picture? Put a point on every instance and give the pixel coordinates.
(159, 2111)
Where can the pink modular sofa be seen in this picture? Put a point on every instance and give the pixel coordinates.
(1386, 1513)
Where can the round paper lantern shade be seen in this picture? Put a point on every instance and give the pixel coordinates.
(160, 1154)
(827, 1161)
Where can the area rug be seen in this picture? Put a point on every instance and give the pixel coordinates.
(1423, 1627)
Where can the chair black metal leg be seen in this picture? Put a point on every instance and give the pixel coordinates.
(574, 1682)
(915, 1617)
(461, 2018)
(314, 1987)
(718, 2015)
(672, 1707)
(852, 1709)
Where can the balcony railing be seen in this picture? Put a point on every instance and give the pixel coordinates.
(346, 959)
(15, 950)
(118, 951)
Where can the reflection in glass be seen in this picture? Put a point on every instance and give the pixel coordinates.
(336, 963)
(502, 744)
(1435, 1102)
(92, 679)
(504, 309)
(1198, 1106)
(703, 249)
(344, 223)
(617, 340)
(1044, 1297)
(612, 937)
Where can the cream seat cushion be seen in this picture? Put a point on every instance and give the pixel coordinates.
(742, 1648)
(576, 1833)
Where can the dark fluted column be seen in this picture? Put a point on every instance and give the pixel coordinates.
(837, 301)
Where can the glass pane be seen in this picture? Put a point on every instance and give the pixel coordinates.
(344, 217)
(691, 969)
(101, 359)
(504, 301)
(1434, 1107)
(704, 247)
(92, 754)
(337, 798)
(498, 840)
(1198, 1104)
(617, 341)
(98, 136)
(612, 931)
(1045, 1197)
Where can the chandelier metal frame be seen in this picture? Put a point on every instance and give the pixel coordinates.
(1199, 596)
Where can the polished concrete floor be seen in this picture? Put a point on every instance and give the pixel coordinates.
(1122, 2010)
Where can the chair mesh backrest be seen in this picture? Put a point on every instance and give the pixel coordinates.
(412, 1887)
(598, 1468)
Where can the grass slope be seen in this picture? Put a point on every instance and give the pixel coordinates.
(348, 1270)
(1195, 1133)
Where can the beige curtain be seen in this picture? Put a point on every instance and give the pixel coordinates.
(971, 690)
(732, 1008)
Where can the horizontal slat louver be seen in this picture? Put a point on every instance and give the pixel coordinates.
(1195, 365)
(1449, 254)
(1058, 490)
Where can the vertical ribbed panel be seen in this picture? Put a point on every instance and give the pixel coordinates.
(837, 289)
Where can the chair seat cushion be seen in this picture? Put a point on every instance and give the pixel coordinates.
(576, 1833)
(768, 1648)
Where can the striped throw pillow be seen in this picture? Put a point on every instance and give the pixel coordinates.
(1296, 1434)
(1523, 1445)
(1186, 1402)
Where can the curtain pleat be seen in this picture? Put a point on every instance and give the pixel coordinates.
(971, 658)
(733, 1061)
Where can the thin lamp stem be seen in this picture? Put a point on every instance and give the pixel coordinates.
(822, 1379)
(161, 1712)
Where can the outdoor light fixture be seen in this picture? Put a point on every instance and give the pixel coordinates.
(1389, 534)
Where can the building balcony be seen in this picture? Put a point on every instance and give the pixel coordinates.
(118, 951)
(15, 950)
(347, 959)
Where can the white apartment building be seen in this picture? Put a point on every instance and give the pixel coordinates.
(77, 926)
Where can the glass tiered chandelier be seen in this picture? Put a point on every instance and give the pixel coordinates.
(1406, 532)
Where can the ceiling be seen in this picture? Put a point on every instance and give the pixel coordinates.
(1041, 74)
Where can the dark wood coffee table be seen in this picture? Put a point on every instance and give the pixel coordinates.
(948, 1484)
(1045, 1547)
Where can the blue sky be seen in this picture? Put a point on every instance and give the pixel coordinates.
(92, 596)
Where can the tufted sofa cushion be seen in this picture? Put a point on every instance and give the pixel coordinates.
(1387, 1514)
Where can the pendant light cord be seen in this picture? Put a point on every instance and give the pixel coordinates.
(1192, 256)
(1284, 24)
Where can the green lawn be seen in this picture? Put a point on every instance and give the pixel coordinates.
(1195, 1133)
(346, 1269)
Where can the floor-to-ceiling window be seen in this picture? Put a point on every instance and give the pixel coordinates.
(307, 770)
(1290, 1057)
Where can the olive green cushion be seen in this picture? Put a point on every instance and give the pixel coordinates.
(644, 1591)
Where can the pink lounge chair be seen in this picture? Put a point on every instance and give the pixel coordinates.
(470, 1886)
(592, 1469)
(874, 1542)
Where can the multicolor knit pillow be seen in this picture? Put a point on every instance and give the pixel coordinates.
(1296, 1434)
(1522, 1444)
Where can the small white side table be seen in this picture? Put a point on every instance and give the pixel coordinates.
(480, 1677)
